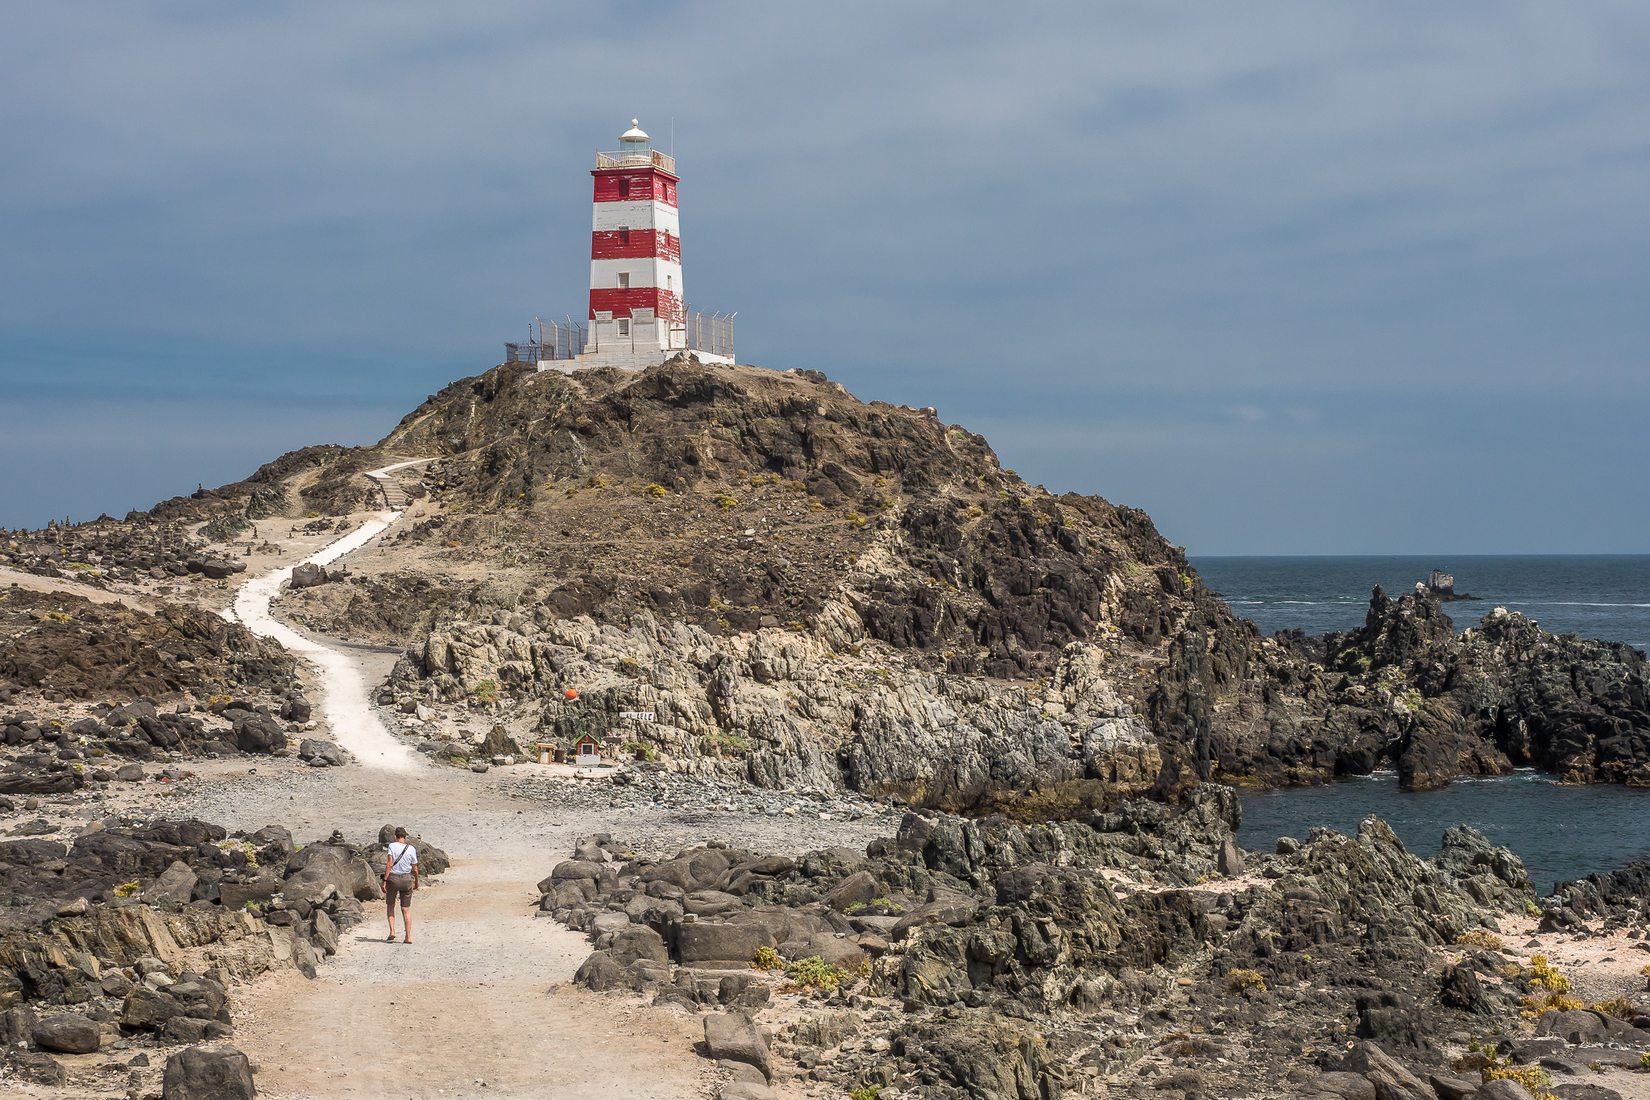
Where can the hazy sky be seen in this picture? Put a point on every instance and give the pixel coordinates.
(1294, 277)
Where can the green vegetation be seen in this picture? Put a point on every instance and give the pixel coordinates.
(1619, 1006)
(1533, 1078)
(59, 617)
(725, 502)
(814, 972)
(656, 490)
(126, 889)
(1241, 980)
(865, 1092)
(723, 743)
(639, 751)
(882, 907)
(1481, 939)
(245, 847)
(766, 958)
(856, 520)
(486, 692)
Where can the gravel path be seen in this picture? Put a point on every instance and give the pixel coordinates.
(481, 999)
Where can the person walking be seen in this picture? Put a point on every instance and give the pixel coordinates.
(400, 880)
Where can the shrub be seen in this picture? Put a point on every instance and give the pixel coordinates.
(1533, 1078)
(656, 490)
(1240, 980)
(865, 1092)
(486, 692)
(126, 889)
(1534, 1007)
(766, 958)
(1531, 909)
(59, 616)
(1644, 1060)
(596, 481)
(1543, 975)
(639, 751)
(814, 972)
(816, 506)
(1618, 1006)
(856, 520)
(882, 907)
(1482, 939)
(725, 502)
(722, 742)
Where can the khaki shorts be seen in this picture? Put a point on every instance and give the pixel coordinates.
(399, 886)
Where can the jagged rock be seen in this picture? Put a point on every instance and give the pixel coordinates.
(1392, 1081)
(146, 1009)
(1338, 1086)
(319, 870)
(734, 1036)
(175, 886)
(979, 1055)
(259, 733)
(34, 1068)
(308, 575)
(208, 1073)
(322, 753)
(728, 945)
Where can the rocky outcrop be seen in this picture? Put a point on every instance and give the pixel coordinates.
(90, 651)
(146, 926)
(787, 709)
(1407, 692)
(986, 958)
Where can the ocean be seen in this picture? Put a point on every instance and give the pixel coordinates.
(1597, 596)
(1560, 832)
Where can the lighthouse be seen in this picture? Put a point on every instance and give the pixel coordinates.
(637, 315)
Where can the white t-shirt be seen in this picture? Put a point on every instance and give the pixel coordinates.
(403, 860)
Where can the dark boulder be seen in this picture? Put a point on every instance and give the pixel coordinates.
(68, 1033)
(208, 1073)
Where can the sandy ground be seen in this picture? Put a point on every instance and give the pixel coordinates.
(31, 582)
(481, 994)
(479, 1003)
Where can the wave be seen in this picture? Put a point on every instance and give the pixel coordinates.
(1569, 603)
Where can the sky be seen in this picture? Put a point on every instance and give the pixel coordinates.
(1296, 278)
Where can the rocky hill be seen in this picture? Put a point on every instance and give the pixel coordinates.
(805, 588)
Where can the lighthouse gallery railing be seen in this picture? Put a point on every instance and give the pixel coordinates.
(711, 333)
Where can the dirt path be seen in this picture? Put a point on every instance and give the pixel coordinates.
(482, 994)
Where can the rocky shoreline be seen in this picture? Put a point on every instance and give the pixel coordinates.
(1138, 955)
(129, 938)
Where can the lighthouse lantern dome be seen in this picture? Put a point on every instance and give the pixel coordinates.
(635, 139)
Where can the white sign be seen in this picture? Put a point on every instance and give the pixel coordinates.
(638, 715)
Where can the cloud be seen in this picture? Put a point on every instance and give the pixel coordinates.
(1033, 214)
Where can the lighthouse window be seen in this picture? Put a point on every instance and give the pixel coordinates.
(624, 189)
(624, 326)
(624, 280)
(624, 237)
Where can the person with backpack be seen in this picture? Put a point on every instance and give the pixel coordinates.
(400, 880)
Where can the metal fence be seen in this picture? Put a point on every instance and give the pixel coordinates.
(711, 333)
(707, 332)
(564, 339)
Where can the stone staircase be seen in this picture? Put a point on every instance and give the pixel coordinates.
(392, 488)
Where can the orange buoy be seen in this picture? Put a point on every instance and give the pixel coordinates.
(570, 694)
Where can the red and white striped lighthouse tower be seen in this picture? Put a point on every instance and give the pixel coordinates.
(637, 314)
